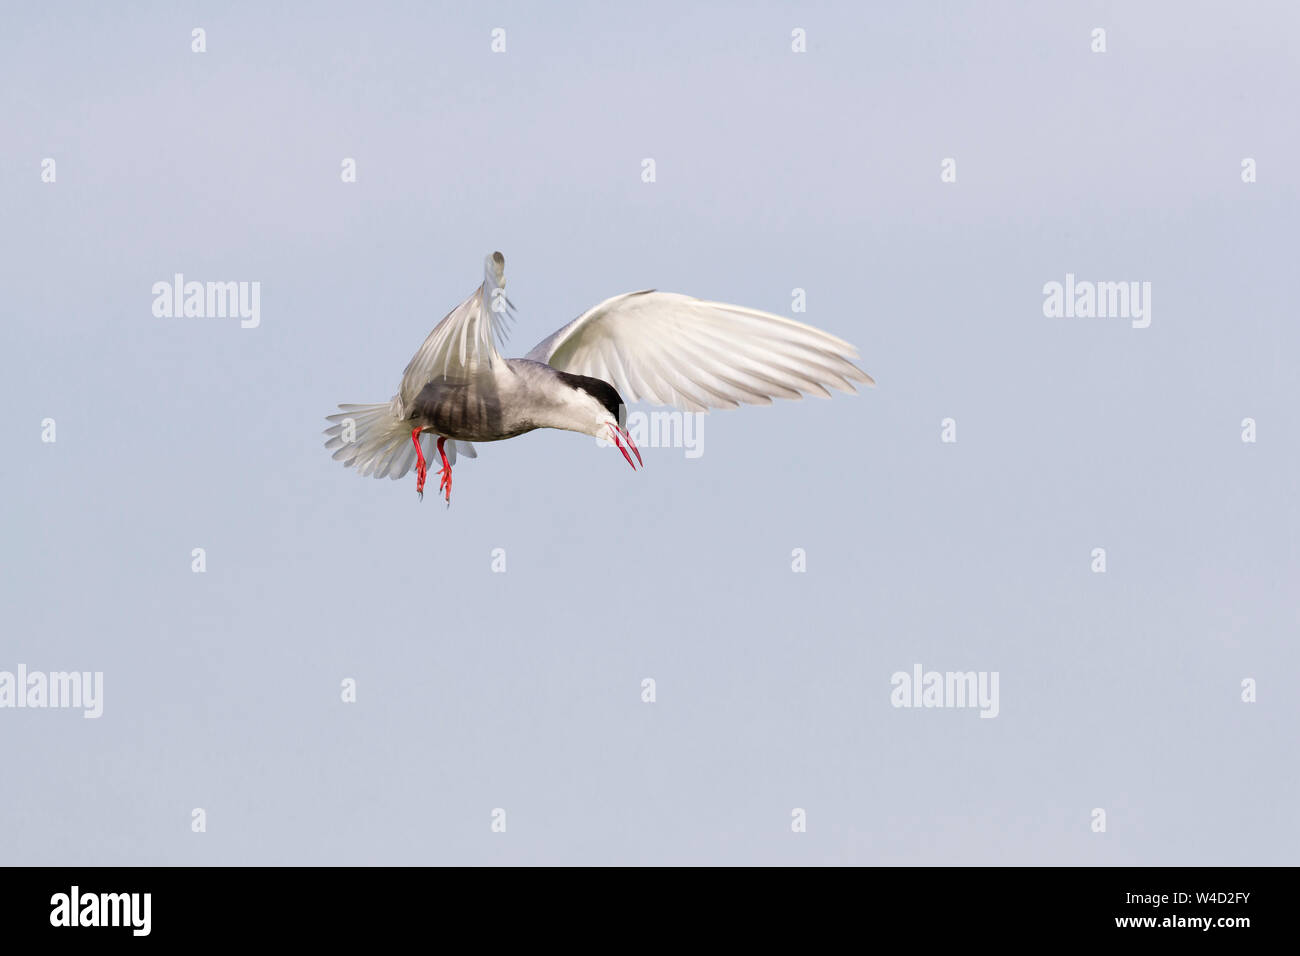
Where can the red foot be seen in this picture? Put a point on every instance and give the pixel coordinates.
(444, 476)
(421, 469)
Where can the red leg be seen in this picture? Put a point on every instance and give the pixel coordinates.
(444, 477)
(421, 469)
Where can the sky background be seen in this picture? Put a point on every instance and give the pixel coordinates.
(775, 170)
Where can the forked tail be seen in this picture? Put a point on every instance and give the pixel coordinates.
(376, 440)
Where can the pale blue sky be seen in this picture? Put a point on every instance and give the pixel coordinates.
(521, 690)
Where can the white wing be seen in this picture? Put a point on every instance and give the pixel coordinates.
(464, 343)
(671, 349)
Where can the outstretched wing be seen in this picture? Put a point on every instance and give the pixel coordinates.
(671, 349)
(464, 344)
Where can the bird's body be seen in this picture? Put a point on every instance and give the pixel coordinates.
(660, 347)
(519, 396)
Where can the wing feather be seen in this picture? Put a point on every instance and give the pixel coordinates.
(464, 344)
(672, 349)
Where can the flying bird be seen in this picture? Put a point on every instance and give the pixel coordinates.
(658, 347)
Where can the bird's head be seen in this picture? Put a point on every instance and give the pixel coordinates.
(601, 409)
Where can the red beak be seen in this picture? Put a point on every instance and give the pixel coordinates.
(615, 432)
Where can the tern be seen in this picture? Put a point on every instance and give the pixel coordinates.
(658, 347)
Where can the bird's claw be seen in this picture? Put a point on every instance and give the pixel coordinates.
(421, 470)
(444, 474)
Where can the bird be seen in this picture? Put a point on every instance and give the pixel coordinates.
(659, 347)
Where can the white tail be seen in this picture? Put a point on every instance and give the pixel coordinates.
(376, 440)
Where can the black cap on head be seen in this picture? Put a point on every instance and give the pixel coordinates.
(601, 391)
